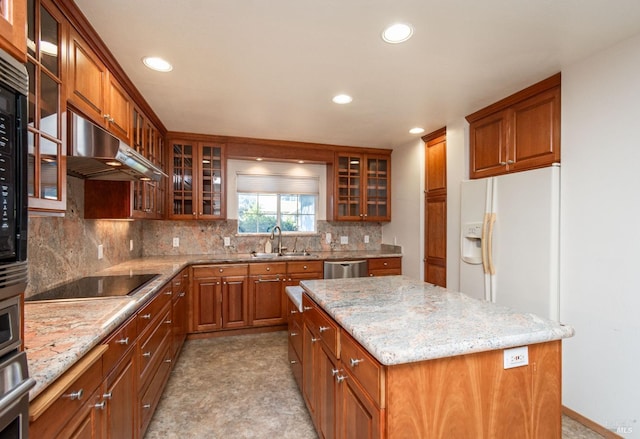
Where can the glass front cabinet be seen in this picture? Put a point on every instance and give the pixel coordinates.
(362, 187)
(197, 180)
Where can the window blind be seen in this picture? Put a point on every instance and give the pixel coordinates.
(277, 184)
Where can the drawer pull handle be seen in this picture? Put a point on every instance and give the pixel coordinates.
(221, 270)
(324, 328)
(340, 378)
(167, 322)
(293, 334)
(304, 267)
(146, 354)
(313, 339)
(293, 311)
(385, 264)
(146, 316)
(354, 362)
(168, 360)
(100, 405)
(74, 395)
(293, 361)
(335, 372)
(107, 395)
(123, 341)
(178, 283)
(146, 406)
(307, 308)
(168, 293)
(181, 294)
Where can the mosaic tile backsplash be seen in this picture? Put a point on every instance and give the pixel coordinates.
(66, 248)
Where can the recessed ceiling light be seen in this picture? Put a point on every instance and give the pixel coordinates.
(397, 33)
(158, 64)
(342, 99)
(416, 130)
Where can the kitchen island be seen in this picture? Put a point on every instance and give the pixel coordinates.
(401, 358)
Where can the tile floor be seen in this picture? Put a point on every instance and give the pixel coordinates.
(241, 387)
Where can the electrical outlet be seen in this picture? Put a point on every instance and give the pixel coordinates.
(327, 238)
(227, 241)
(516, 357)
(100, 251)
(176, 242)
(344, 240)
(366, 239)
(131, 245)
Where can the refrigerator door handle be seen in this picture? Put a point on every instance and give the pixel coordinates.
(483, 243)
(489, 246)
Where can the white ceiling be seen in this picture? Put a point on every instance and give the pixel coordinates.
(269, 68)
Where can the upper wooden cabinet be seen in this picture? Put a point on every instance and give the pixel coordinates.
(362, 189)
(197, 188)
(95, 92)
(46, 166)
(13, 20)
(517, 133)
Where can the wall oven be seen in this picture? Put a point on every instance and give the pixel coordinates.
(15, 382)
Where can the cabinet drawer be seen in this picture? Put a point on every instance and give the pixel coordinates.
(220, 270)
(321, 324)
(53, 408)
(268, 268)
(363, 367)
(296, 366)
(150, 396)
(152, 309)
(152, 344)
(119, 342)
(305, 267)
(295, 337)
(385, 263)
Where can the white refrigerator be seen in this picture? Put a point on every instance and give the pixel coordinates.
(510, 240)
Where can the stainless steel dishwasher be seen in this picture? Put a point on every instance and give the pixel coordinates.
(345, 269)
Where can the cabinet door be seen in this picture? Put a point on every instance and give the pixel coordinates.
(118, 115)
(348, 195)
(13, 20)
(207, 304)
(488, 145)
(310, 353)
(536, 131)
(120, 400)
(183, 186)
(46, 183)
(327, 372)
(87, 79)
(268, 305)
(378, 190)
(211, 181)
(179, 318)
(235, 304)
(358, 416)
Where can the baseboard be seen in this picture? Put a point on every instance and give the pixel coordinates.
(243, 331)
(608, 434)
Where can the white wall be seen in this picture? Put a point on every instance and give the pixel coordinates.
(407, 206)
(600, 243)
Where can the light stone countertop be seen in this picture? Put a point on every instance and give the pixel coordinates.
(403, 320)
(58, 333)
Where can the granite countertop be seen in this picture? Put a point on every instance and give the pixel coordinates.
(58, 333)
(403, 320)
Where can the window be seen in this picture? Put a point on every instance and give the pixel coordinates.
(266, 201)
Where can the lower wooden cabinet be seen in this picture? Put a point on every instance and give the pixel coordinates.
(119, 396)
(266, 290)
(384, 266)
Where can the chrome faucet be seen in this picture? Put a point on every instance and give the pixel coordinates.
(273, 231)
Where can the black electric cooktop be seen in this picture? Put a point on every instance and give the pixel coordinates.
(95, 286)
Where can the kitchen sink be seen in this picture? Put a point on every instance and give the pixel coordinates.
(257, 255)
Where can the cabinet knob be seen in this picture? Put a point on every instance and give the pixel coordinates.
(168, 293)
(107, 395)
(146, 406)
(268, 268)
(307, 308)
(123, 341)
(340, 378)
(167, 322)
(354, 362)
(304, 267)
(510, 162)
(168, 360)
(100, 405)
(146, 316)
(146, 354)
(335, 372)
(293, 361)
(293, 334)
(221, 270)
(293, 311)
(314, 339)
(323, 328)
(385, 264)
(503, 163)
(77, 395)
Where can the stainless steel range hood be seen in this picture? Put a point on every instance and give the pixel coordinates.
(98, 155)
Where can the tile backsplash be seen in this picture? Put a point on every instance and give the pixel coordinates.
(65, 248)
